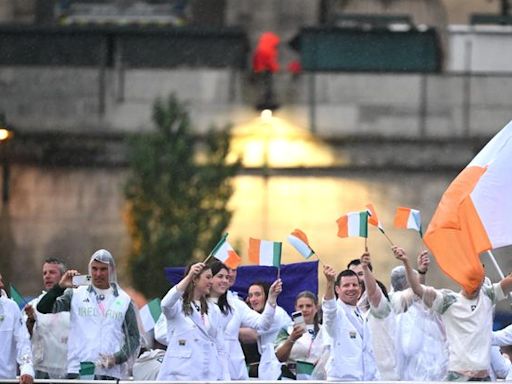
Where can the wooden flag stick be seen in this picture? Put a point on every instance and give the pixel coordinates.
(387, 237)
(320, 260)
(500, 272)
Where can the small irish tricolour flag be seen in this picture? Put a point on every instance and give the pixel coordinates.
(407, 218)
(265, 252)
(149, 314)
(353, 224)
(299, 241)
(225, 253)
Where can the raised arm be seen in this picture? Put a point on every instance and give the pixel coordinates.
(252, 319)
(372, 290)
(168, 304)
(329, 306)
(423, 262)
(410, 274)
(506, 284)
(58, 298)
(330, 275)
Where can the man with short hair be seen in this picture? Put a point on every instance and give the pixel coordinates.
(49, 332)
(14, 341)
(356, 266)
(352, 357)
(103, 325)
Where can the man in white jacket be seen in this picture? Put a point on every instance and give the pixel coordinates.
(49, 332)
(103, 324)
(14, 341)
(352, 357)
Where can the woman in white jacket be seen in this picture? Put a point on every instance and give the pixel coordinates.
(195, 336)
(237, 314)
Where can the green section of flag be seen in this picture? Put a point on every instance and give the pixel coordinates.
(16, 296)
(304, 370)
(155, 309)
(277, 248)
(363, 224)
(218, 245)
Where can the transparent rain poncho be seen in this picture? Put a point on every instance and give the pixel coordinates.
(105, 257)
(420, 338)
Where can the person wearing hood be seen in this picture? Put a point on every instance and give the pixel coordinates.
(103, 324)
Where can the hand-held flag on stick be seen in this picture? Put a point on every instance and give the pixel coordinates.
(225, 253)
(474, 213)
(266, 252)
(374, 220)
(407, 218)
(299, 241)
(372, 217)
(353, 224)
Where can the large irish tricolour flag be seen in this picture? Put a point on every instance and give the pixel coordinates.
(474, 214)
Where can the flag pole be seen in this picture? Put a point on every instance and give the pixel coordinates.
(217, 246)
(387, 237)
(493, 259)
(318, 257)
(500, 272)
(279, 272)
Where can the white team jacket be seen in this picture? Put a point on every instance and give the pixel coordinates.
(352, 357)
(195, 351)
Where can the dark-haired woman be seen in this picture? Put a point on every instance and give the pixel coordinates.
(237, 314)
(195, 349)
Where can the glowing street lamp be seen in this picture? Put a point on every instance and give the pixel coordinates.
(5, 135)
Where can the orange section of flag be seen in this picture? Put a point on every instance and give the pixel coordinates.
(372, 217)
(233, 260)
(301, 235)
(456, 235)
(342, 226)
(254, 250)
(401, 217)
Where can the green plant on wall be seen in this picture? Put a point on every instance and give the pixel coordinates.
(177, 193)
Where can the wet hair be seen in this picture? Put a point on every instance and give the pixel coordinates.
(189, 292)
(54, 260)
(346, 272)
(222, 302)
(263, 285)
(398, 279)
(310, 295)
(356, 262)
